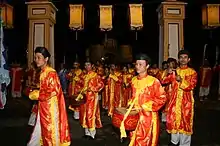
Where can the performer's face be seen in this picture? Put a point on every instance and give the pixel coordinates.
(40, 60)
(88, 66)
(184, 59)
(113, 66)
(165, 66)
(75, 65)
(141, 66)
(125, 69)
(172, 65)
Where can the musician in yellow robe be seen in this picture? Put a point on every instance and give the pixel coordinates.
(90, 111)
(148, 97)
(75, 86)
(115, 89)
(180, 110)
(51, 127)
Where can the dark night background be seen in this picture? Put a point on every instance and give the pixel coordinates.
(148, 39)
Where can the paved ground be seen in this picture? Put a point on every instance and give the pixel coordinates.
(14, 130)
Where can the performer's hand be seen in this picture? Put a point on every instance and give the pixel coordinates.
(178, 78)
(3, 87)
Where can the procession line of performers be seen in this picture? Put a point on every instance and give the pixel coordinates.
(148, 92)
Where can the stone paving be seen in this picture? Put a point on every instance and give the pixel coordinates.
(15, 132)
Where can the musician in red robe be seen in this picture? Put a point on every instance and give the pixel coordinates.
(180, 110)
(115, 85)
(51, 127)
(105, 92)
(205, 76)
(168, 84)
(148, 97)
(126, 89)
(17, 78)
(75, 77)
(90, 111)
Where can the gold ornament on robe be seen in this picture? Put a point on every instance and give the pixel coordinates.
(105, 13)
(76, 17)
(136, 16)
(211, 15)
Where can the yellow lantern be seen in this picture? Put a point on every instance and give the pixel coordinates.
(105, 17)
(76, 17)
(211, 15)
(7, 15)
(136, 16)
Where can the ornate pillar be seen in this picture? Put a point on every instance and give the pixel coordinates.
(42, 17)
(171, 14)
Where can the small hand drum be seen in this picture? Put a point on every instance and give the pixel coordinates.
(131, 121)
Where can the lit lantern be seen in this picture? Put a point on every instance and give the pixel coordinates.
(105, 14)
(211, 15)
(7, 15)
(76, 17)
(136, 16)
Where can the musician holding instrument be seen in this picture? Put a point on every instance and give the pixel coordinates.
(105, 92)
(90, 111)
(75, 76)
(115, 89)
(180, 110)
(169, 84)
(126, 90)
(148, 97)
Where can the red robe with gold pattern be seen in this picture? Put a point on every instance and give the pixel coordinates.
(51, 109)
(75, 86)
(180, 110)
(115, 91)
(169, 83)
(126, 90)
(148, 97)
(90, 111)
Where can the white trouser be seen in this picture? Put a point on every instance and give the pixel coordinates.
(76, 115)
(164, 117)
(204, 91)
(16, 94)
(36, 135)
(182, 139)
(90, 133)
(32, 119)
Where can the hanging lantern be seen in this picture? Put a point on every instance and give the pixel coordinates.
(7, 15)
(136, 16)
(105, 17)
(76, 17)
(211, 15)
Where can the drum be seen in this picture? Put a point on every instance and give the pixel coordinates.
(130, 122)
(75, 103)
